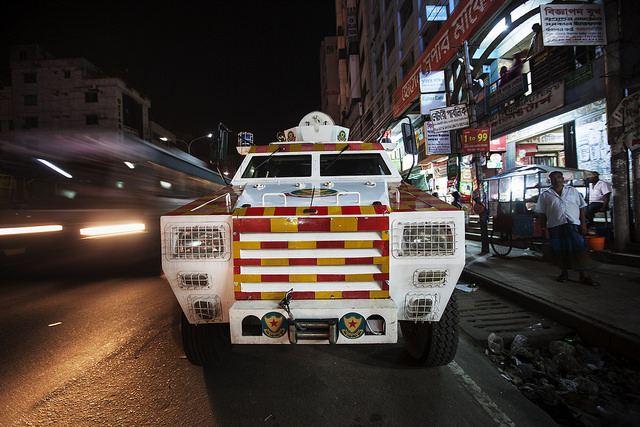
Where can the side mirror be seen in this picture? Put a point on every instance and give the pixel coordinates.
(219, 149)
(409, 139)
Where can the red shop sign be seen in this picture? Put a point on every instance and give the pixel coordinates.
(476, 140)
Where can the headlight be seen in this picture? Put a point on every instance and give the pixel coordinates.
(425, 239)
(199, 242)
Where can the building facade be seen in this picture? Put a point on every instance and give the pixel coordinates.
(544, 100)
(49, 93)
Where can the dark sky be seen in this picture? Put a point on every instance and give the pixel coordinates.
(253, 65)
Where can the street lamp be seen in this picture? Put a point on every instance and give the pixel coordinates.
(188, 144)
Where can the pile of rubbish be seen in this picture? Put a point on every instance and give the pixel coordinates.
(575, 384)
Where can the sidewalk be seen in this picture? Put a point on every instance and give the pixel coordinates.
(604, 316)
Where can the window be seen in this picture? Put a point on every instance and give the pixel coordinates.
(284, 166)
(407, 64)
(30, 77)
(30, 100)
(92, 119)
(352, 165)
(406, 10)
(67, 74)
(91, 97)
(391, 43)
(30, 122)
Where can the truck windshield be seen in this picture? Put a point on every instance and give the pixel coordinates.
(353, 164)
(284, 166)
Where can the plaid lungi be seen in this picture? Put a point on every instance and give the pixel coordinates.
(568, 248)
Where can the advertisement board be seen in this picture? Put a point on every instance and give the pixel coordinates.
(450, 118)
(437, 143)
(476, 140)
(573, 24)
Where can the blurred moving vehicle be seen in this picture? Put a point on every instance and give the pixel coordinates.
(71, 198)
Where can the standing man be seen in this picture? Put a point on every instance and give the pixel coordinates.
(563, 221)
(456, 200)
(599, 196)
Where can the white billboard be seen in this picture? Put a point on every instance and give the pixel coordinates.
(573, 24)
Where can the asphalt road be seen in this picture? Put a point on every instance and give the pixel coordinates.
(92, 351)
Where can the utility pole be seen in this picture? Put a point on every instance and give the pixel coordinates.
(484, 232)
(619, 155)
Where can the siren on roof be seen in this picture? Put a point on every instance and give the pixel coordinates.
(317, 127)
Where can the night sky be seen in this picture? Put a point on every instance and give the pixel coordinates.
(253, 65)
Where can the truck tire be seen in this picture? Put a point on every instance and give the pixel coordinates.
(205, 345)
(433, 343)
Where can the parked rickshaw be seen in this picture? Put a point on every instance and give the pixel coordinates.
(512, 198)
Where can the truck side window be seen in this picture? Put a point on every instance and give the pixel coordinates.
(352, 165)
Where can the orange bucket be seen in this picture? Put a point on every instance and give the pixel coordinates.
(595, 243)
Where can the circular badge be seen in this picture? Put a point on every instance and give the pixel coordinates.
(291, 136)
(352, 325)
(310, 192)
(274, 325)
(342, 136)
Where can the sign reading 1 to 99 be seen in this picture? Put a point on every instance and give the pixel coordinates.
(476, 140)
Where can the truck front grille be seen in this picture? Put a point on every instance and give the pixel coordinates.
(319, 257)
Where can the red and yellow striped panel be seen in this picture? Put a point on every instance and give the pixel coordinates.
(217, 203)
(306, 147)
(244, 225)
(382, 244)
(404, 197)
(294, 224)
(337, 294)
(318, 211)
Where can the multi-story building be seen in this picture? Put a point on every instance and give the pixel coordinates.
(550, 109)
(71, 93)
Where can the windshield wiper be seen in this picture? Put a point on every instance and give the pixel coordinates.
(337, 157)
(265, 161)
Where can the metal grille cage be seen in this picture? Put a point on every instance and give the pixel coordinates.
(420, 239)
(199, 242)
(194, 280)
(204, 308)
(420, 306)
(429, 278)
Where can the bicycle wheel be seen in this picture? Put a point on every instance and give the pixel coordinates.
(501, 242)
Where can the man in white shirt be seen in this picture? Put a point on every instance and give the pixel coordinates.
(599, 196)
(563, 221)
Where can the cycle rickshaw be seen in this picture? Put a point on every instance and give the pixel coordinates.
(512, 198)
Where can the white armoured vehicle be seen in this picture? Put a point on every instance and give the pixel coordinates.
(316, 240)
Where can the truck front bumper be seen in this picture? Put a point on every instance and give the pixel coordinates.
(339, 321)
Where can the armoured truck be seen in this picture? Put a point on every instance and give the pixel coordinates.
(317, 239)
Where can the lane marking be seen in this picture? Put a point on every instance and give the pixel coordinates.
(485, 401)
(482, 258)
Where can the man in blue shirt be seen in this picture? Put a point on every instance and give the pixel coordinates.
(563, 221)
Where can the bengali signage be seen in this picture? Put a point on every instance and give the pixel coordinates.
(507, 91)
(499, 144)
(431, 101)
(476, 140)
(528, 108)
(466, 18)
(573, 24)
(627, 114)
(432, 81)
(437, 143)
(450, 118)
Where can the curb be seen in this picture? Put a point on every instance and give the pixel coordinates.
(591, 330)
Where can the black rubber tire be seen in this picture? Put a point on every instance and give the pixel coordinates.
(501, 242)
(205, 345)
(433, 343)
